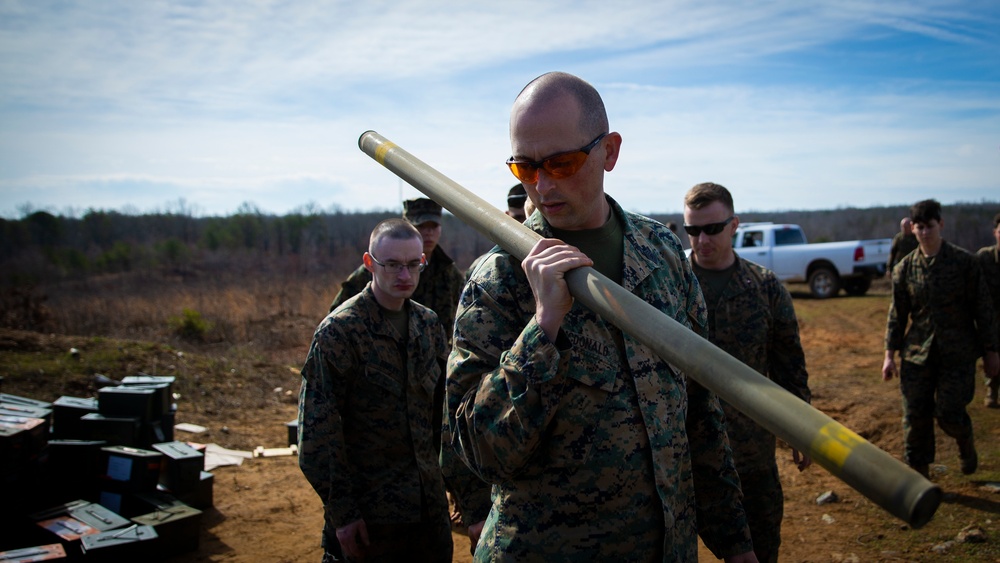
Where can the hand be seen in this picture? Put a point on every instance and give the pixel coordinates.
(546, 266)
(802, 461)
(889, 366)
(348, 537)
(991, 364)
(475, 530)
(748, 557)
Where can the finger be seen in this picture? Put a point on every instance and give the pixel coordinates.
(349, 547)
(363, 534)
(554, 251)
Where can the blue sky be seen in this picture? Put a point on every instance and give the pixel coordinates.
(204, 106)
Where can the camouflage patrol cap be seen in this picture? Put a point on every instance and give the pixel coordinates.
(421, 210)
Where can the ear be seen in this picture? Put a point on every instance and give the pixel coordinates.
(735, 223)
(368, 262)
(612, 147)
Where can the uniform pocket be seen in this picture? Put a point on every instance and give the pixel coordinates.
(383, 379)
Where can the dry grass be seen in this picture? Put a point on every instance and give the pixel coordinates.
(268, 314)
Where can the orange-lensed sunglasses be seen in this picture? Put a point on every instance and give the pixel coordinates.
(558, 166)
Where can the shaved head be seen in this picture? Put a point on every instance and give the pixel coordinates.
(551, 87)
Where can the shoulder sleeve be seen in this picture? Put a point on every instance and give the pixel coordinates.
(505, 377)
(787, 359)
(352, 286)
(322, 450)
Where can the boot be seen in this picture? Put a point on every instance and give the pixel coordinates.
(967, 453)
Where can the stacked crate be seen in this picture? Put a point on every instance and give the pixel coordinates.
(99, 478)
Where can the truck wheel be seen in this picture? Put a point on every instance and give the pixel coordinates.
(857, 286)
(824, 283)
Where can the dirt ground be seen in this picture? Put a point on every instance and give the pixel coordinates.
(266, 511)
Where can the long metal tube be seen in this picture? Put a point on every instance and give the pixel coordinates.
(874, 473)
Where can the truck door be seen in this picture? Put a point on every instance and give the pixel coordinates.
(751, 246)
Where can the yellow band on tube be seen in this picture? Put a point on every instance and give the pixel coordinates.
(836, 442)
(381, 151)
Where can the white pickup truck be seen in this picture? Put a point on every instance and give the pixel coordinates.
(826, 267)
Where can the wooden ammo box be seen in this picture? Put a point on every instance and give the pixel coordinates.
(51, 552)
(120, 430)
(135, 543)
(66, 414)
(179, 527)
(182, 466)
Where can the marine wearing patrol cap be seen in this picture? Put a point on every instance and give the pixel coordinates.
(421, 210)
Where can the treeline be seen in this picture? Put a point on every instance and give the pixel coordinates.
(44, 248)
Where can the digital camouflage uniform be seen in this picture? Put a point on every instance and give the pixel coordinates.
(439, 287)
(989, 259)
(950, 312)
(366, 429)
(591, 460)
(901, 246)
(754, 321)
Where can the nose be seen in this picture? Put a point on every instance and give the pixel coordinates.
(405, 273)
(545, 182)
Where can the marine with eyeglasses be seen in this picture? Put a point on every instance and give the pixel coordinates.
(369, 418)
(441, 281)
(440, 285)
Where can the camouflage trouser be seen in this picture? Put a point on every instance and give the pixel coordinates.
(427, 542)
(935, 390)
(764, 504)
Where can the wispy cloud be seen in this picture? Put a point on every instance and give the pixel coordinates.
(792, 105)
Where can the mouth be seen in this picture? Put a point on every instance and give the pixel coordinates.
(553, 206)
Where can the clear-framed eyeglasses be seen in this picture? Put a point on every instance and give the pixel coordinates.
(394, 267)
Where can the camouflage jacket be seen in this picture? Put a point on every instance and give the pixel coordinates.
(581, 448)
(439, 287)
(948, 306)
(901, 246)
(366, 437)
(755, 323)
(989, 259)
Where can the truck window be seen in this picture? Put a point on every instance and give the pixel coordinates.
(753, 238)
(784, 237)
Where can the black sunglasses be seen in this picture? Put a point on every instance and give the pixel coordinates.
(709, 229)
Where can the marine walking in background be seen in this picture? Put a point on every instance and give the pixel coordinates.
(939, 290)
